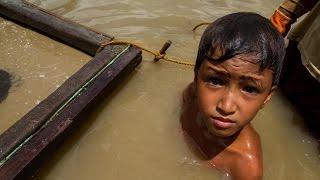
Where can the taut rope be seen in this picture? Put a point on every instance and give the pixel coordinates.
(156, 54)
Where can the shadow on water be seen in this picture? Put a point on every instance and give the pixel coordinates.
(307, 124)
(302, 91)
(5, 84)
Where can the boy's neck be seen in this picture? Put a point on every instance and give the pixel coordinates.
(219, 143)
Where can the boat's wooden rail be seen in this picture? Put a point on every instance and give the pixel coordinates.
(32, 138)
(74, 34)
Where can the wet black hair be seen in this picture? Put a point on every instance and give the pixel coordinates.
(5, 84)
(243, 33)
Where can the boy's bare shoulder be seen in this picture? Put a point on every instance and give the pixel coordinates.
(248, 164)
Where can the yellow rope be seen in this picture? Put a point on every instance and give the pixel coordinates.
(201, 24)
(156, 54)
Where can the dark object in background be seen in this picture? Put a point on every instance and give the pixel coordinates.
(5, 84)
(301, 89)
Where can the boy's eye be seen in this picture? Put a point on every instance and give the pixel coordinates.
(215, 81)
(251, 89)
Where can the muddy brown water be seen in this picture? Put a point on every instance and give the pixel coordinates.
(135, 133)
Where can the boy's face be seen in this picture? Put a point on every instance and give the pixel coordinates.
(229, 94)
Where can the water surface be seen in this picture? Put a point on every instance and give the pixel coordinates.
(135, 133)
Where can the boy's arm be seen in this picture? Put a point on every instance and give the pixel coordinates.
(247, 163)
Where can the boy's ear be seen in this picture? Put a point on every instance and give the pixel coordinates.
(195, 76)
(273, 89)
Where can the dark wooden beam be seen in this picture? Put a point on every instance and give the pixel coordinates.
(29, 140)
(47, 134)
(73, 34)
(80, 37)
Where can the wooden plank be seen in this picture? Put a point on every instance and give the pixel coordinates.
(46, 139)
(76, 35)
(38, 115)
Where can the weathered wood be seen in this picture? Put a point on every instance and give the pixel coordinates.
(163, 50)
(38, 115)
(45, 140)
(71, 33)
(30, 138)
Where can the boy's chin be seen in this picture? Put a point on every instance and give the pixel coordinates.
(222, 133)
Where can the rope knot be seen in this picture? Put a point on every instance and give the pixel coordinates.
(159, 56)
(162, 52)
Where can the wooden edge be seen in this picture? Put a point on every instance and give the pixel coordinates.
(30, 122)
(29, 157)
(71, 33)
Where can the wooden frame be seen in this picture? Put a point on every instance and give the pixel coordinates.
(25, 144)
(71, 33)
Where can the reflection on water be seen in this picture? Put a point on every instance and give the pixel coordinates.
(135, 134)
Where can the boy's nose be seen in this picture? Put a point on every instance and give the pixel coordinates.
(226, 104)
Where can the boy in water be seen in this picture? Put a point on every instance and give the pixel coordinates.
(237, 69)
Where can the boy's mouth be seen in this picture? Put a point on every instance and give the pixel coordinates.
(222, 123)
